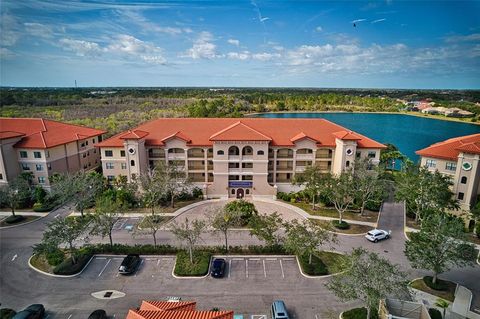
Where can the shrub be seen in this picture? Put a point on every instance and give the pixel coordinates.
(40, 194)
(316, 268)
(439, 285)
(122, 249)
(359, 313)
(201, 263)
(373, 205)
(14, 219)
(67, 268)
(477, 229)
(434, 313)
(197, 193)
(55, 257)
(7, 313)
(246, 210)
(342, 225)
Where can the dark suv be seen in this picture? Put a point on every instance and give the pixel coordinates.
(218, 268)
(130, 264)
(35, 311)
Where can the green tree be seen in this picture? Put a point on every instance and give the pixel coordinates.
(424, 191)
(106, 214)
(368, 186)
(443, 304)
(152, 188)
(267, 228)
(173, 179)
(439, 245)
(390, 155)
(222, 221)
(151, 224)
(15, 194)
(339, 190)
(81, 189)
(304, 238)
(65, 231)
(369, 279)
(246, 209)
(311, 179)
(189, 233)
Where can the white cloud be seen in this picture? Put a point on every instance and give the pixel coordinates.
(318, 29)
(202, 48)
(239, 55)
(6, 53)
(378, 20)
(134, 16)
(132, 47)
(38, 29)
(265, 56)
(358, 20)
(234, 42)
(9, 30)
(463, 38)
(81, 47)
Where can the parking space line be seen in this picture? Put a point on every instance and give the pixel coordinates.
(246, 268)
(264, 270)
(104, 267)
(158, 261)
(100, 258)
(141, 263)
(281, 267)
(229, 267)
(69, 316)
(270, 259)
(254, 259)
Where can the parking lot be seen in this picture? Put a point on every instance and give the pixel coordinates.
(126, 223)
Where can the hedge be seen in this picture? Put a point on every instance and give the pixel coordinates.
(14, 219)
(41, 208)
(201, 263)
(316, 268)
(342, 225)
(66, 268)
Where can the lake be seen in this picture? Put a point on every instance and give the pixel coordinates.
(408, 133)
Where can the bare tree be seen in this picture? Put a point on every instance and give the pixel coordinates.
(222, 221)
(189, 233)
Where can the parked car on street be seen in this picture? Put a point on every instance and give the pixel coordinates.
(218, 268)
(130, 264)
(377, 234)
(35, 311)
(98, 314)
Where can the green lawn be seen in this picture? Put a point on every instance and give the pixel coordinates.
(328, 212)
(40, 262)
(324, 263)
(199, 267)
(353, 229)
(447, 294)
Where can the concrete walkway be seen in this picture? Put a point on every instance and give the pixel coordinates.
(24, 213)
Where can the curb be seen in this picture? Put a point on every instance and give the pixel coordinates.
(191, 277)
(22, 224)
(318, 277)
(59, 276)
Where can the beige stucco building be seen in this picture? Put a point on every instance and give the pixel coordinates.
(44, 147)
(228, 157)
(459, 159)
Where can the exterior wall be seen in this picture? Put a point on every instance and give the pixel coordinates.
(9, 168)
(345, 153)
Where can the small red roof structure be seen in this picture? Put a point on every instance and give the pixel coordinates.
(40, 133)
(179, 135)
(133, 135)
(174, 310)
(347, 136)
(301, 136)
(239, 132)
(450, 148)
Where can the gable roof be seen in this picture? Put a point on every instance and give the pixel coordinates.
(301, 136)
(239, 132)
(450, 148)
(179, 135)
(133, 135)
(279, 132)
(10, 134)
(347, 136)
(40, 133)
(174, 310)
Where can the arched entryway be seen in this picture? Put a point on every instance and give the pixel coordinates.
(240, 193)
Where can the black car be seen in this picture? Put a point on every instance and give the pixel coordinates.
(98, 314)
(130, 264)
(218, 268)
(35, 311)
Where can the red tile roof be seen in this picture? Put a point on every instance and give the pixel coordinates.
(347, 136)
(174, 310)
(167, 305)
(300, 136)
(179, 135)
(9, 134)
(450, 148)
(40, 133)
(133, 135)
(203, 131)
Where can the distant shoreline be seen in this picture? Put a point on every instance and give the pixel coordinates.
(430, 116)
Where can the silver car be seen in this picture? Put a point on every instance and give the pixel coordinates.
(378, 234)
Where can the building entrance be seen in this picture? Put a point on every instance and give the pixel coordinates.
(240, 193)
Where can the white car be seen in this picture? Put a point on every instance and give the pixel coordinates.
(377, 234)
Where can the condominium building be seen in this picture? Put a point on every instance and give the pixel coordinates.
(229, 157)
(457, 158)
(44, 147)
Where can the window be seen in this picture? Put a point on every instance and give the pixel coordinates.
(247, 191)
(122, 153)
(94, 151)
(124, 165)
(86, 142)
(49, 166)
(431, 163)
(110, 178)
(25, 167)
(82, 145)
(247, 150)
(109, 165)
(358, 154)
(347, 164)
(220, 152)
(39, 167)
(233, 191)
(463, 180)
(247, 177)
(233, 165)
(41, 180)
(108, 153)
(23, 154)
(1, 176)
(132, 163)
(233, 150)
(84, 155)
(460, 196)
(47, 154)
(93, 140)
(372, 154)
(451, 166)
(260, 152)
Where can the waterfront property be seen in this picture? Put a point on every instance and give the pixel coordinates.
(44, 147)
(228, 157)
(458, 158)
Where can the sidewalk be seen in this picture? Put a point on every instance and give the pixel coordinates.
(24, 213)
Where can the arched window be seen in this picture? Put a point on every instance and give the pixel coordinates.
(220, 152)
(247, 150)
(233, 191)
(132, 163)
(260, 152)
(347, 164)
(233, 150)
(463, 180)
(247, 191)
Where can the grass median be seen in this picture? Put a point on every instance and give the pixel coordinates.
(199, 267)
(443, 289)
(324, 263)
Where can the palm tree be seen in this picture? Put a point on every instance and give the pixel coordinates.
(442, 303)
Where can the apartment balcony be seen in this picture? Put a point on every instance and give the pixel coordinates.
(304, 156)
(196, 153)
(234, 158)
(196, 167)
(323, 155)
(234, 170)
(284, 169)
(210, 167)
(247, 157)
(284, 180)
(196, 177)
(176, 156)
(156, 153)
(284, 155)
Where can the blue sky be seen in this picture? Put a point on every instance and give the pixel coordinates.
(394, 44)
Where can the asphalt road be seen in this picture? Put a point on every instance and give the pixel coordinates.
(251, 284)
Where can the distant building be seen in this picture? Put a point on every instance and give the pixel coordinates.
(458, 158)
(229, 157)
(174, 310)
(44, 147)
